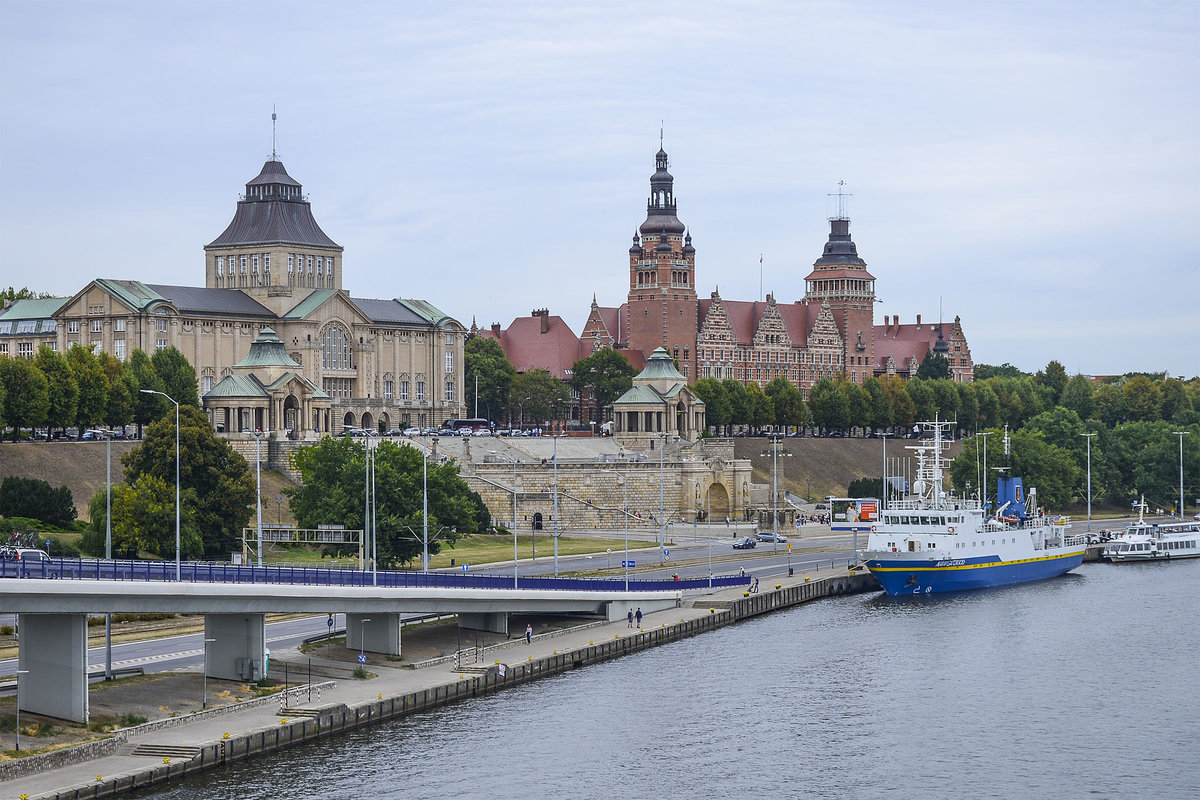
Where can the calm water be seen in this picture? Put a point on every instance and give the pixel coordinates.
(1085, 686)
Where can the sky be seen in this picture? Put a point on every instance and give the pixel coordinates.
(1031, 167)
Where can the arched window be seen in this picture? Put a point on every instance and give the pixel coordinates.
(336, 349)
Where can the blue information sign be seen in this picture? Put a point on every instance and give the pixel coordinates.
(465, 567)
(329, 621)
(362, 659)
(630, 564)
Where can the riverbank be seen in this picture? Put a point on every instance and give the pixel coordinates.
(170, 748)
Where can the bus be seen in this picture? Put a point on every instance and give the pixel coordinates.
(456, 425)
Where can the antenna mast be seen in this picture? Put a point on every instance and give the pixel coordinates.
(274, 155)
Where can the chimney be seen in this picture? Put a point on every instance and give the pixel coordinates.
(918, 320)
(887, 322)
(496, 328)
(545, 321)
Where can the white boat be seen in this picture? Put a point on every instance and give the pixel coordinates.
(934, 542)
(1150, 541)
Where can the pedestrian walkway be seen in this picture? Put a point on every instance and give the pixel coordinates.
(183, 735)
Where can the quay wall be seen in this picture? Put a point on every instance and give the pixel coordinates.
(313, 723)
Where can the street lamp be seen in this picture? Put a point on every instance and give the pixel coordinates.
(362, 640)
(425, 493)
(108, 676)
(369, 507)
(514, 511)
(556, 506)
(625, 514)
(983, 479)
(178, 568)
(1180, 434)
(1089, 436)
(204, 703)
(258, 434)
(662, 529)
(20, 672)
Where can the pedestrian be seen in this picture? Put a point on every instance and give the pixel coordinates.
(639, 617)
(742, 572)
(629, 617)
(754, 588)
(528, 634)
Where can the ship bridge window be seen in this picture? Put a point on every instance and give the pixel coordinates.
(924, 520)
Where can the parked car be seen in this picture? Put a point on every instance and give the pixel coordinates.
(745, 543)
(27, 555)
(768, 536)
(412, 431)
(481, 432)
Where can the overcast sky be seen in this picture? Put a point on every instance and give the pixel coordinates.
(1029, 166)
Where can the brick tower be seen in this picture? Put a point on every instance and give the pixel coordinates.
(662, 278)
(840, 278)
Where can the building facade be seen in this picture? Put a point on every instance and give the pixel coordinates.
(381, 363)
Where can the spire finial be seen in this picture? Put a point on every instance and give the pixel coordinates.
(274, 155)
(661, 125)
(841, 196)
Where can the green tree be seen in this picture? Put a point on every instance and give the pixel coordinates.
(989, 406)
(984, 371)
(1142, 399)
(93, 387)
(968, 408)
(787, 401)
(177, 375)
(223, 490)
(828, 405)
(605, 375)
(1050, 469)
(484, 358)
(539, 395)
(61, 385)
(1175, 400)
(1145, 459)
(904, 411)
(763, 410)
(1077, 396)
(741, 410)
(121, 390)
(143, 521)
(716, 402)
(24, 293)
(36, 499)
(881, 405)
(1108, 406)
(146, 407)
(858, 404)
(945, 397)
(26, 394)
(934, 367)
(923, 397)
(1054, 377)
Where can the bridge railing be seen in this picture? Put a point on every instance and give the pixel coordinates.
(216, 572)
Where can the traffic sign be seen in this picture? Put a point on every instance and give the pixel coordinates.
(789, 546)
(329, 622)
(362, 659)
(466, 567)
(609, 551)
(629, 564)
(667, 553)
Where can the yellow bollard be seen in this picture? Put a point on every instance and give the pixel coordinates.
(283, 721)
(167, 760)
(225, 735)
(779, 586)
(806, 579)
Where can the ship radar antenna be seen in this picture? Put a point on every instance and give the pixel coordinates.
(841, 196)
(274, 155)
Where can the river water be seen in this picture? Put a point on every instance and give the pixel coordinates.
(1086, 686)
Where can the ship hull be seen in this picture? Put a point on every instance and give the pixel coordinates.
(901, 576)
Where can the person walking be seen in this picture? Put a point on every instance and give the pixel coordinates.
(639, 617)
(629, 617)
(528, 634)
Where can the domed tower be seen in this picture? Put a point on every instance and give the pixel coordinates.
(273, 248)
(840, 278)
(662, 282)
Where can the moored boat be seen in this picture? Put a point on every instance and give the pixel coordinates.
(933, 541)
(1151, 541)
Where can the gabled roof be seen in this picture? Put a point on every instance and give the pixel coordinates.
(423, 308)
(528, 348)
(903, 342)
(389, 311)
(639, 394)
(197, 300)
(237, 386)
(310, 304)
(660, 367)
(285, 378)
(30, 308)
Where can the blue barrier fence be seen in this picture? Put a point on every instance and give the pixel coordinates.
(210, 572)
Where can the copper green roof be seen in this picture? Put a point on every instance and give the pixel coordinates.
(640, 395)
(30, 308)
(660, 367)
(426, 310)
(310, 304)
(267, 351)
(237, 386)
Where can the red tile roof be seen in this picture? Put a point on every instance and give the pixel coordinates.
(528, 348)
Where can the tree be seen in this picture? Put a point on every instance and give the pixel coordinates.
(539, 395)
(881, 405)
(788, 402)
(93, 387)
(858, 404)
(904, 412)
(741, 410)
(1175, 400)
(605, 375)
(984, 371)
(934, 366)
(484, 358)
(945, 396)
(923, 398)
(36, 499)
(121, 390)
(1054, 377)
(1142, 399)
(177, 375)
(716, 402)
(828, 405)
(24, 293)
(222, 487)
(146, 407)
(968, 408)
(1050, 469)
(143, 521)
(333, 487)
(989, 406)
(1108, 406)
(762, 409)
(61, 385)
(1077, 396)
(26, 394)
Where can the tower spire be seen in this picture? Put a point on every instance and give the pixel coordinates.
(841, 200)
(274, 155)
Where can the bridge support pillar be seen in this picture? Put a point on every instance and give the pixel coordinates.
(496, 622)
(54, 651)
(237, 650)
(373, 633)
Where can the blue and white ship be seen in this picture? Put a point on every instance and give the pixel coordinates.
(935, 542)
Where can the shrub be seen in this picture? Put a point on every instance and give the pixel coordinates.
(35, 498)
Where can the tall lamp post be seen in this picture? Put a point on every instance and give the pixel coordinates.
(1180, 434)
(556, 506)
(20, 672)
(625, 515)
(258, 434)
(369, 507)
(362, 640)
(108, 676)
(178, 567)
(1089, 436)
(662, 527)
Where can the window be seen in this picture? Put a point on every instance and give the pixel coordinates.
(160, 325)
(291, 263)
(449, 391)
(266, 262)
(28, 326)
(420, 391)
(404, 391)
(310, 265)
(335, 349)
(97, 325)
(254, 263)
(449, 340)
(320, 265)
(160, 344)
(450, 363)
(25, 349)
(220, 265)
(119, 325)
(73, 326)
(119, 349)
(3, 348)
(388, 387)
(337, 387)
(50, 325)
(242, 264)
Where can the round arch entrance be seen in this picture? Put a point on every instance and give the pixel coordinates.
(718, 501)
(291, 413)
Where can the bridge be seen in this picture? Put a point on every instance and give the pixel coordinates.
(53, 600)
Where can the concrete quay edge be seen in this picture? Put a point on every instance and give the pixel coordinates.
(246, 730)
